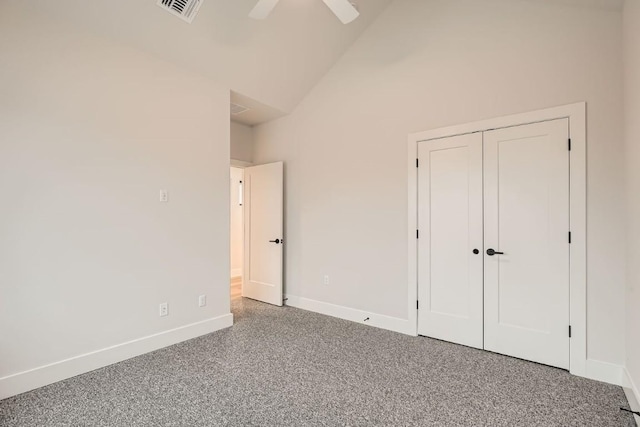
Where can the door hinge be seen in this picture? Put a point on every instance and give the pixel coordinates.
(569, 331)
(569, 144)
(417, 304)
(417, 162)
(569, 237)
(417, 234)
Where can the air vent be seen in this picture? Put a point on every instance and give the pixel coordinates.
(184, 9)
(237, 109)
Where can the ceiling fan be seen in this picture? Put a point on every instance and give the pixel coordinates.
(343, 9)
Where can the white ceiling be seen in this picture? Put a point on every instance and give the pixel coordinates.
(274, 62)
(599, 4)
(269, 65)
(257, 112)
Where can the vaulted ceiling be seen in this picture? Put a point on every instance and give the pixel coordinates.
(275, 61)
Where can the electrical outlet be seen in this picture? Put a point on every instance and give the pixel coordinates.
(326, 279)
(202, 300)
(164, 309)
(164, 196)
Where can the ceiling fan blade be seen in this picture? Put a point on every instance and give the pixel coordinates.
(343, 9)
(263, 8)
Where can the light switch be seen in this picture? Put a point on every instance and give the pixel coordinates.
(164, 196)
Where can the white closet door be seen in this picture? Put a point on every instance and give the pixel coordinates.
(450, 222)
(526, 212)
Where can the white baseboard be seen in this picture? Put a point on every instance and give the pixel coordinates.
(236, 272)
(38, 377)
(632, 392)
(605, 372)
(377, 320)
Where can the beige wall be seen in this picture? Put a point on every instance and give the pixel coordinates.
(632, 139)
(89, 134)
(428, 64)
(241, 142)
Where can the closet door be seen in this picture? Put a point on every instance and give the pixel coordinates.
(526, 213)
(450, 241)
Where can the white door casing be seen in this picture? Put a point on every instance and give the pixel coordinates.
(236, 223)
(450, 217)
(526, 216)
(263, 233)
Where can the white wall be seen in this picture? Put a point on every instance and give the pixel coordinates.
(89, 134)
(241, 142)
(426, 64)
(632, 139)
(236, 223)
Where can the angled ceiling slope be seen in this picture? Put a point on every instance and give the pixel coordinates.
(615, 5)
(250, 112)
(276, 61)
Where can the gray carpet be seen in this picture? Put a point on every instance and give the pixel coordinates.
(288, 367)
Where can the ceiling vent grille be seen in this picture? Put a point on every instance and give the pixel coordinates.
(238, 109)
(184, 9)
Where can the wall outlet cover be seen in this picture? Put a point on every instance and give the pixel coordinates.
(164, 309)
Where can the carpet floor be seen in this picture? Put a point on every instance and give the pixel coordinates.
(288, 367)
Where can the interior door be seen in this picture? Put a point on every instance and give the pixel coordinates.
(263, 233)
(526, 212)
(450, 242)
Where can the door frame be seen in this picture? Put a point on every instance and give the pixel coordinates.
(238, 164)
(576, 113)
(231, 276)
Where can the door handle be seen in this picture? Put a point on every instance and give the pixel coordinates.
(491, 252)
(275, 241)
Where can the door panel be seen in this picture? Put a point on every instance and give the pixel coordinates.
(263, 213)
(526, 212)
(450, 221)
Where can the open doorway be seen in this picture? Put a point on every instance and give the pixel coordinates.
(236, 225)
(256, 208)
(256, 232)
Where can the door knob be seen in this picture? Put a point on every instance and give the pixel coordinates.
(275, 241)
(475, 251)
(491, 252)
